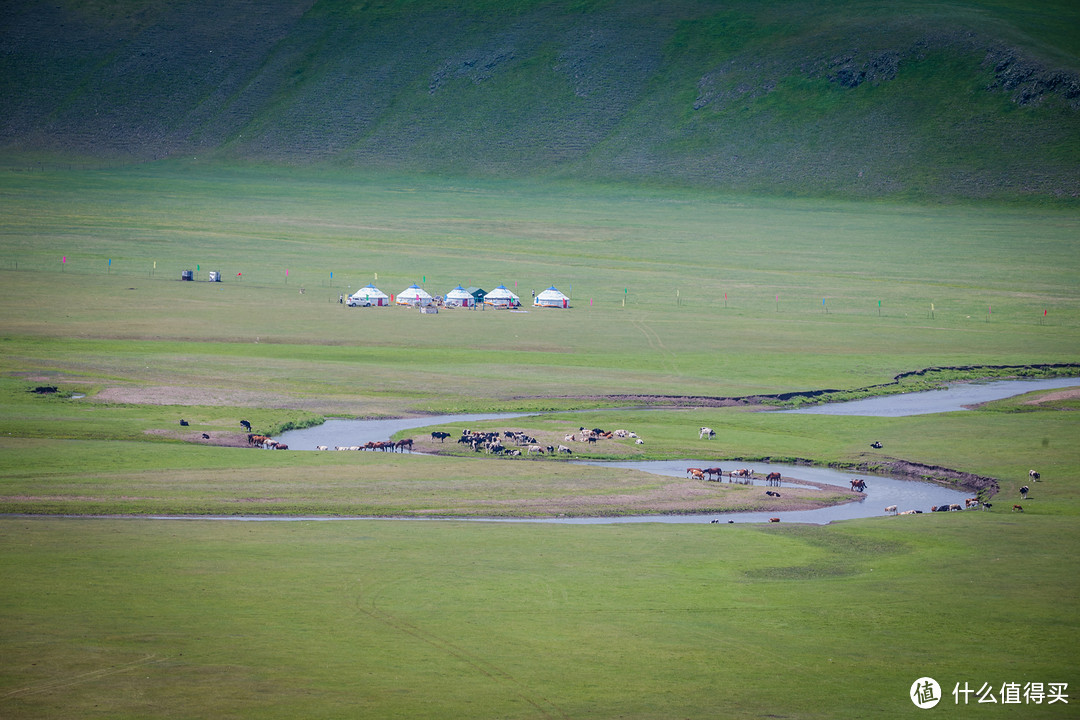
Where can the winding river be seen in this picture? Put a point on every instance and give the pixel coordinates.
(881, 491)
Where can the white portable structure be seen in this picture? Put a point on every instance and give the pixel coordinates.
(501, 297)
(414, 295)
(551, 298)
(459, 297)
(369, 295)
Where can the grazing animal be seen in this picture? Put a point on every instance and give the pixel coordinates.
(859, 485)
(321, 447)
(402, 444)
(246, 425)
(706, 432)
(639, 441)
(1024, 492)
(891, 509)
(709, 472)
(714, 521)
(773, 478)
(1033, 475)
(440, 436)
(591, 439)
(971, 502)
(1018, 508)
(770, 493)
(876, 445)
(205, 436)
(564, 449)
(691, 471)
(536, 449)
(942, 508)
(569, 438)
(774, 519)
(183, 422)
(954, 506)
(987, 506)
(908, 512)
(281, 446)
(697, 474)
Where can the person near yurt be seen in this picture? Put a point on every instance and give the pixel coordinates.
(500, 297)
(551, 298)
(369, 296)
(459, 297)
(414, 295)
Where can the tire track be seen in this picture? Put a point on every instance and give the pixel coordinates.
(656, 344)
(80, 678)
(546, 708)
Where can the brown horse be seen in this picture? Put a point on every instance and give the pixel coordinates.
(709, 472)
(773, 478)
(859, 485)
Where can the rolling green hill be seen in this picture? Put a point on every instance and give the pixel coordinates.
(969, 99)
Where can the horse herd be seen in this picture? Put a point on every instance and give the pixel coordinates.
(742, 476)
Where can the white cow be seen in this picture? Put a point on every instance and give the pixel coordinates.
(706, 432)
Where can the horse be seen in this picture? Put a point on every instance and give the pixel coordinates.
(773, 478)
(402, 444)
(859, 485)
(706, 432)
(697, 474)
(709, 472)
(691, 471)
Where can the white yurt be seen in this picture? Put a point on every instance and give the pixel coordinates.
(370, 294)
(414, 295)
(551, 298)
(459, 297)
(501, 297)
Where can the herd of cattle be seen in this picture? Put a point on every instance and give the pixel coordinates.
(969, 503)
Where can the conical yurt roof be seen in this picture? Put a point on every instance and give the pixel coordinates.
(369, 293)
(459, 293)
(500, 293)
(411, 293)
(551, 296)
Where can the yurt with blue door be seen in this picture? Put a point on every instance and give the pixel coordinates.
(551, 298)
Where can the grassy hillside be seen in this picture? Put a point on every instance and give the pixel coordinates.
(968, 99)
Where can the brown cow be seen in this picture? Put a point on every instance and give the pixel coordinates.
(697, 474)
(774, 519)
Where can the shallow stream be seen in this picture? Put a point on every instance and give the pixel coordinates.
(881, 492)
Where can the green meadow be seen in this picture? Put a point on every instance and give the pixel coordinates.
(678, 293)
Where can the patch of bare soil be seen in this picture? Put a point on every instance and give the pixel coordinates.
(221, 439)
(1057, 395)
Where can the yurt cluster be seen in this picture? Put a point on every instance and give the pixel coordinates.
(459, 297)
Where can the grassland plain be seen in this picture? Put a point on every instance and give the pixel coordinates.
(416, 618)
